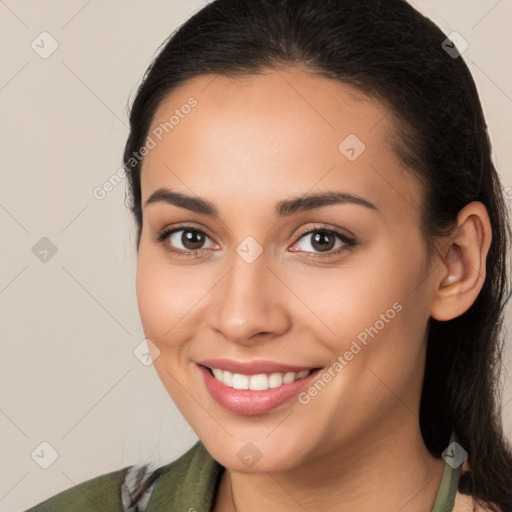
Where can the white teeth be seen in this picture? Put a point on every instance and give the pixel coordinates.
(240, 381)
(259, 382)
(275, 380)
(218, 373)
(227, 378)
(288, 377)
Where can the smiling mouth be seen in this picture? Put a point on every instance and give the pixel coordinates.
(257, 382)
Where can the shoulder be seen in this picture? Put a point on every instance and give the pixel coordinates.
(132, 487)
(101, 492)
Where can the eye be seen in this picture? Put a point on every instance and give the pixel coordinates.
(188, 241)
(323, 242)
(184, 241)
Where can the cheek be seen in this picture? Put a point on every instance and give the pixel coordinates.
(353, 296)
(151, 300)
(171, 300)
(162, 306)
(161, 297)
(376, 313)
(374, 310)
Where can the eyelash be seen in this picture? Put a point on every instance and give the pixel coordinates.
(161, 238)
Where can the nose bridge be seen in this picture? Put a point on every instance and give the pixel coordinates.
(247, 302)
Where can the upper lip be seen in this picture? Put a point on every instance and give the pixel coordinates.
(252, 367)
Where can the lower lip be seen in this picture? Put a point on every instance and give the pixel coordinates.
(248, 402)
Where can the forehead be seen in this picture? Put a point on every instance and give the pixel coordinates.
(281, 133)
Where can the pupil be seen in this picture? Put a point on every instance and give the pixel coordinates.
(192, 239)
(323, 242)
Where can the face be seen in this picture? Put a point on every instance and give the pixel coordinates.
(253, 276)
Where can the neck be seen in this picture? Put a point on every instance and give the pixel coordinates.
(388, 471)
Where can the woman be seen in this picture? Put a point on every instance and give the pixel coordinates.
(322, 265)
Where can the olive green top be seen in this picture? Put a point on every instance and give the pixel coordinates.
(188, 484)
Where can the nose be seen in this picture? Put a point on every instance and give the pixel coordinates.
(249, 303)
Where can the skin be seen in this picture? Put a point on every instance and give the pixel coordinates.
(249, 144)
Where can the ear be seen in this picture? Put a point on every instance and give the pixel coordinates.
(460, 269)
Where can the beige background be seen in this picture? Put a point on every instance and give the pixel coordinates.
(68, 374)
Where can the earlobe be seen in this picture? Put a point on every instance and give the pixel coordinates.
(461, 268)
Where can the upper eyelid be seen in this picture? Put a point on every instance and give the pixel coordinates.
(336, 231)
(181, 227)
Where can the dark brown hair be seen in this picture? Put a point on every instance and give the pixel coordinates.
(389, 51)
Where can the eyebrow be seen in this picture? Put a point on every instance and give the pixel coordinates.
(282, 208)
